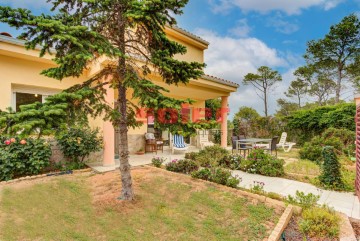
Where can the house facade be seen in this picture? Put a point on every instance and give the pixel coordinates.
(21, 83)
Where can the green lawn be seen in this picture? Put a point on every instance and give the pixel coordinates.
(293, 153)
(167, 207)
(303, 167)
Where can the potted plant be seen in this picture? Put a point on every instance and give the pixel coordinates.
(140, 151)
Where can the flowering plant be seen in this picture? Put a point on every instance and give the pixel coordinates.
(158, 161)
(263, 163)
(20, 157)
(183, 166)
(257, 187)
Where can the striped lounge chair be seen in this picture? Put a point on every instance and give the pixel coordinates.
(178, 143)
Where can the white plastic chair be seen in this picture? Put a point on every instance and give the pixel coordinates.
(204, 139)
(286, 146)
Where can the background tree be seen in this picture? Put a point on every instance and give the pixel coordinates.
(337, 50)
(246, 113)
(318, 80)
(286, 108)
(128, 32)
(263, 81)
(242, 120)
(297, 89)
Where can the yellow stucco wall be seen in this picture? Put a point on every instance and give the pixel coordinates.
(193, 53)
(23, 74)
(195, 48)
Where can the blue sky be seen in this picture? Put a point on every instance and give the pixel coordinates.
(245, 35)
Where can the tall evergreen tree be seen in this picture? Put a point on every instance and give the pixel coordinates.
(130, 33)
(337, 51)
(297, 89)
(318, 79)
(263, 81)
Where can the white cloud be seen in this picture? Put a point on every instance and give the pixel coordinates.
(232, 58)
(32, 4)
(242, 29)
(332, 4)
(281, 25)
(288, 6)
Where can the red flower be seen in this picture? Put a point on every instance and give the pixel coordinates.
(7, 142)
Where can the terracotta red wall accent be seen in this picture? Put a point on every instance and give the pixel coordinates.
(357, 180)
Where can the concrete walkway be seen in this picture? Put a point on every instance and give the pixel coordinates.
(140, 160)
(343, 202)
(346, 203)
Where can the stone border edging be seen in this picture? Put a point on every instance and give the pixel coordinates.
(42, 176)
(282, 224)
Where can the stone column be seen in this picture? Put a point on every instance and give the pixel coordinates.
(109, 132)
(224, 113)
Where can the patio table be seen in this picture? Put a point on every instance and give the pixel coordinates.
(252, 141)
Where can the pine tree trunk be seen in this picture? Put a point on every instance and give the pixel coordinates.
(265, 103)
(127, 192)
(338, 86)
(126, 180)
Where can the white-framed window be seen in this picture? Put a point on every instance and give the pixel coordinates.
(23, 95)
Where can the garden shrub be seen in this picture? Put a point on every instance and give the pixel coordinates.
(262, 163)
(307, 123)
(221, 176)
(183, 166)
(204, 174)
(231, 161)
(217, 175)
(211, 156)
(320, 222)
(191, 155)
(312, 150)
(331, 169)
(347, 137)
(19, 157)
(77, 143)
(303, 200)
(158, 161)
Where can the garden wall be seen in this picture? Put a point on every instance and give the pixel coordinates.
(57, 155)
(135, 142)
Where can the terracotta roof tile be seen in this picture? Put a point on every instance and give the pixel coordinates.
(189, 34)
(217, 79)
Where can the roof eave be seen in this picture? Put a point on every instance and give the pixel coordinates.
(220, 81)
